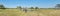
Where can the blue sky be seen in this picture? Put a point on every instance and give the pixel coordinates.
(30, 3)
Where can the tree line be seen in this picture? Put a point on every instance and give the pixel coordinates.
(3, 7)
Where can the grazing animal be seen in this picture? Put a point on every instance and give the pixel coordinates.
(25, 10)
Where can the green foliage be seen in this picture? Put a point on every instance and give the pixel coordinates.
(19, 7)
(32, 8)
(2, 7)
(36, 8)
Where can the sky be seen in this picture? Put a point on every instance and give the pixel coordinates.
(30, 3)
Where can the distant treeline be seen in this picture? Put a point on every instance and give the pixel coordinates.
(19, 7)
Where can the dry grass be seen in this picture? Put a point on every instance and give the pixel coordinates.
(39, 12)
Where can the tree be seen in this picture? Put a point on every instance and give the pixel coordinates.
(19, 7)
(57, 6)
(2, 7)
(36, 8)
(32, 8)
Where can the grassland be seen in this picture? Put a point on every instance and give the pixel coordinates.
(38, 12)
